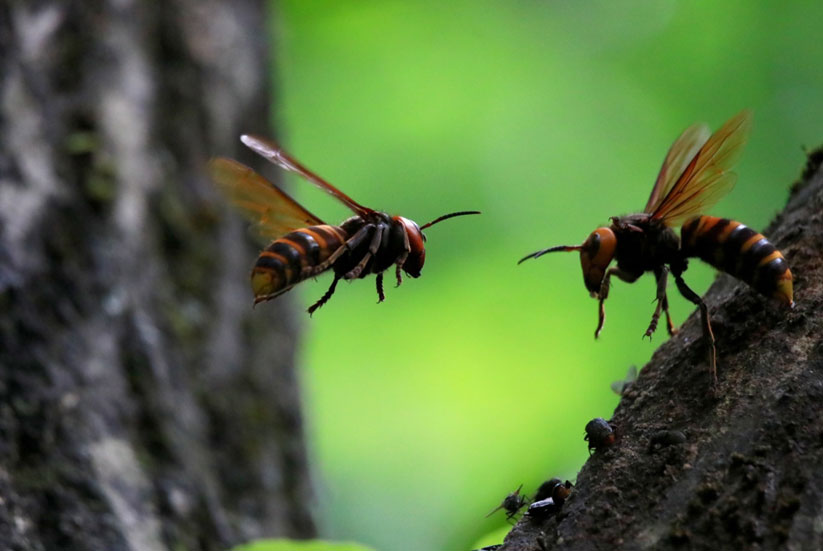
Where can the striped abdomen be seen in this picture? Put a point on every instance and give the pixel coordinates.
(740, 251)
(293, 258)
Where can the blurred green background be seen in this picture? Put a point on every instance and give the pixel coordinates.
(549, 116)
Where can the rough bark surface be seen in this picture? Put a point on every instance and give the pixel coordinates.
(750, 473)
(143, 403)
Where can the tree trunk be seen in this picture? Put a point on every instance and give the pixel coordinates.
(750, 473)
(143, 403)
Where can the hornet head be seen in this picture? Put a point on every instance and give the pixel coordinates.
(596, 253)
(417, 250)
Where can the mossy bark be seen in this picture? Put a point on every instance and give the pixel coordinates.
(143, 403)
(750, 472)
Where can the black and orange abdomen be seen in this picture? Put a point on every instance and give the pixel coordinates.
(292, 258)
(740, 251)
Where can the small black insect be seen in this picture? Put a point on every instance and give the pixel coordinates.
(561, 492)
(599, 434)
(555, 489)
(543, 509)
(545, 490)
(511, 504)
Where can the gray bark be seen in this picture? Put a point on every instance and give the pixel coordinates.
(143, 403)
(749, 475)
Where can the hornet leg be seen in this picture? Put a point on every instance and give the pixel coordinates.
(604, 293)
(325, 297)
(661, 274)
(708, 334)
(669, 324)
(402, 258)
(377, 238)
(351, 243)
(380, 296)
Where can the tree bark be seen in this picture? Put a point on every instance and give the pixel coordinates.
(143, 403)
(750, 473)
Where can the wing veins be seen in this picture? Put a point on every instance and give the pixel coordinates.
(272, 212)
(708, 175)
(275, 154)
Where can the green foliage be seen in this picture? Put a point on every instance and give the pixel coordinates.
(300, 545)
(426, 410)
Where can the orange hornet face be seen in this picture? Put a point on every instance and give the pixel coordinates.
(596, 254)
(417, 253)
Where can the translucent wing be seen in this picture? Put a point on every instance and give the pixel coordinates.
(272, 212)
(677, 159)
(619, 387)
(275, 154)
(707, 177)
(705, 193)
